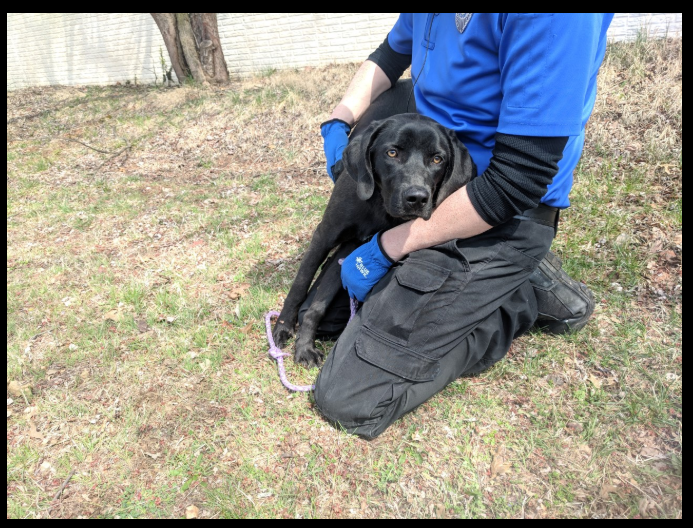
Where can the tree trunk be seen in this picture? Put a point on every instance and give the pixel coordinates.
(192, 42)
(187, 40)
(166, 22)
(206, 31)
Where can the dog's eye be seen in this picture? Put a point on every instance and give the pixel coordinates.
(392, 153)
(437, 159)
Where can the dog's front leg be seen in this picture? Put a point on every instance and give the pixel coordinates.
(321, 244)
(306, 353)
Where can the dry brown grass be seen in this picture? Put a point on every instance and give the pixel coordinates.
(138, 279)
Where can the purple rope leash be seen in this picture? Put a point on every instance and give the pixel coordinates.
(279, 356)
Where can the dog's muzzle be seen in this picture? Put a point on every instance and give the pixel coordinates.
(416, 201)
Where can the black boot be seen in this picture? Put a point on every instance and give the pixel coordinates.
(565, 305)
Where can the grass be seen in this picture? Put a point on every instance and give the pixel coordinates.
(137, 283)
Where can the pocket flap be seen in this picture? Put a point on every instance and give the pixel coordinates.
(421, 276)
(394, 358)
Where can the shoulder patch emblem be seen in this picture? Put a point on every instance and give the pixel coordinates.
(461, 21)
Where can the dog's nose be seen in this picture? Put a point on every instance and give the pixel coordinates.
(416, 196)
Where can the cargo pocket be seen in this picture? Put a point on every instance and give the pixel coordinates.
(397, 306)
(395, 359)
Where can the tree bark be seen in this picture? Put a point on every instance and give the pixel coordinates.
(192, 42)
(190, 49)
(206, 30)
(166, 22)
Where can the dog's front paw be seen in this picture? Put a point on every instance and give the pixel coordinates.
(307, 355)
(282, 333)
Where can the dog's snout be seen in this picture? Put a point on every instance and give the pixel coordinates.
(416, 196)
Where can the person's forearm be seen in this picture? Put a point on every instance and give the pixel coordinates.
(368, 83)
(454, 218)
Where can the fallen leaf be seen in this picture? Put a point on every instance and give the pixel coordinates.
(33, 433)
(650, 452)
(656, 246)
(237, 311)
(595, 381)
(498, 465)
(575, 427)
(113, 315)
(606, 489)
(191, 512)
(667, 166)
(239, 291)
(153, 455)
(246, 328)
(142, 325)
(16, 389)
(670, 256)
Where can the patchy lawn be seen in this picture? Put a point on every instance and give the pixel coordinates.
(150, 229)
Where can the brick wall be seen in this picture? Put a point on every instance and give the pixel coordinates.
(626, 26)
(256, 41)
(81, 48)
(103, 48)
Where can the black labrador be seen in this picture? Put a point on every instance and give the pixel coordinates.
(399, 168)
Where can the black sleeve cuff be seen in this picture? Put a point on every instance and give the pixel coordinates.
(520, 171)
(391, 62)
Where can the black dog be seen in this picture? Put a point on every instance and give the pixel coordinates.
(400, 168)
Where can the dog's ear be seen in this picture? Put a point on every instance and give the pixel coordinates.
(460, 170)
(358, 162)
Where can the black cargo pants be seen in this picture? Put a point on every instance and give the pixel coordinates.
(438, 314)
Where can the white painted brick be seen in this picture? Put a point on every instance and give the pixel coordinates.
(95, 48)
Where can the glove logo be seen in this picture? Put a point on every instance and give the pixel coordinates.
(359, 266)
(461, 21)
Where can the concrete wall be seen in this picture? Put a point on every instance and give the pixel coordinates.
(103, 48)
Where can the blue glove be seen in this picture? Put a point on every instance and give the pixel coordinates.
(336, 135)
(364, 267)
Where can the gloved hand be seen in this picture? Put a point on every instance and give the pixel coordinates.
(336, 135)
(364, 267)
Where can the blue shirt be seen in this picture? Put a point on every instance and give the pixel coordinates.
(532, 74)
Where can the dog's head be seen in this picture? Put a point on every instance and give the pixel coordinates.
(412, 160)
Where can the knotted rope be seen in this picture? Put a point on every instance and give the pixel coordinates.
(276, 353)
